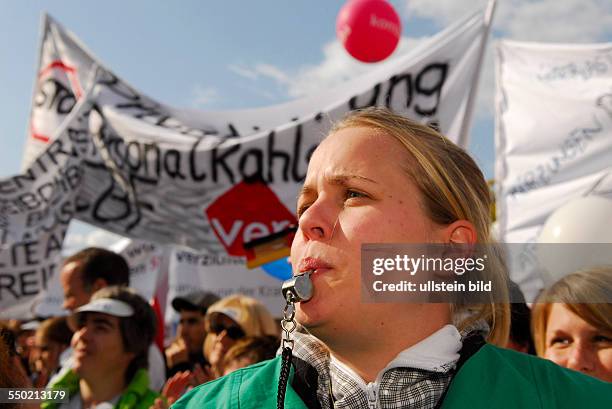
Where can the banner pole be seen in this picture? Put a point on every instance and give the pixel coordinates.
(464, 133)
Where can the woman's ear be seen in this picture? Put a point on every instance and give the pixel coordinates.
(460, 232)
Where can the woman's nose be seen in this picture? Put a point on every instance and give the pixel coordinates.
(316, 223)
(581, 358)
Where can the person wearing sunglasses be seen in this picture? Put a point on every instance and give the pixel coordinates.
(231, 319)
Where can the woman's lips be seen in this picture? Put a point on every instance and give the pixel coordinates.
(313, 265)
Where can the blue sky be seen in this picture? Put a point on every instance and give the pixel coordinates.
(238, 54)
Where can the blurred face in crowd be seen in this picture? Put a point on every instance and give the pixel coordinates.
(355, 192)
(25, 342)
(48, 353)
(192, 329)
(99, 352)
(224, 332)
(75, 293)
(574, 343)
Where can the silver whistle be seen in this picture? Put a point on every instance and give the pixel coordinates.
(300, 288)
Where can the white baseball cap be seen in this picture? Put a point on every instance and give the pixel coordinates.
(110, 306)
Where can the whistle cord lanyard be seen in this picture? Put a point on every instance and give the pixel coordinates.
(288, 325)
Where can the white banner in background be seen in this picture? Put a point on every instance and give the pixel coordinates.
(553, 138)
(35, 210)
(220, 275)
(214, 180)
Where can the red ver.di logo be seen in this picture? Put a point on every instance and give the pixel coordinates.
(246, 212)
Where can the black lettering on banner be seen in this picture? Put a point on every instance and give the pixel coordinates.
(28, 286)
(426, 86)
(24, 283)
(282, 156)
(65, 213)
(427, 82)
(193, 171)
(297, 177)
(132, 155)
(53, 95)
(114, 197)
(24, 253)
(54, 244)
(151, 149)
(572, 146)
(47, 273)
(233, 132)
(40, 163)
(395, 81)
(143, 248)
(8, 186)
(375, 92)
(109, 198)
(119, 87)
(218, 159)
(257, 174)
(172, 164)
(119, 151)
(27, 176)
(57, 149)
(7, 282)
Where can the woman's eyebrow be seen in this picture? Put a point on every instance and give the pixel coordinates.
(342, 179)
(336, 179)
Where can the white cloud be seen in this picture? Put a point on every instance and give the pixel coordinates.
(529, 20)
(558, 21)
(203, 96)
(243, 71)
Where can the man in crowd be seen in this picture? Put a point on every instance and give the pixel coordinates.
(91, 269)
(112, 335)
(187, 349)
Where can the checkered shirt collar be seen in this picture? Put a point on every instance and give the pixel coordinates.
(398, 387)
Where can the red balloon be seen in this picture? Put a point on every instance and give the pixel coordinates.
(368, 29)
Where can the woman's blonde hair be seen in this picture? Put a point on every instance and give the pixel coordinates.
(250, 314)
(452, 188)
(586, 293)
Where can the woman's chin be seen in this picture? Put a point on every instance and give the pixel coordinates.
(312, 314)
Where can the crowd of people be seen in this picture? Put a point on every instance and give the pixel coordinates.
(376, 178)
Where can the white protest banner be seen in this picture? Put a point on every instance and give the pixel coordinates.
(553, 138)
(167, 173)
(35, 210)
(431, 83)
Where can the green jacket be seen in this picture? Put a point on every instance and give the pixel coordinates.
(137, 395)
(493, 378)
